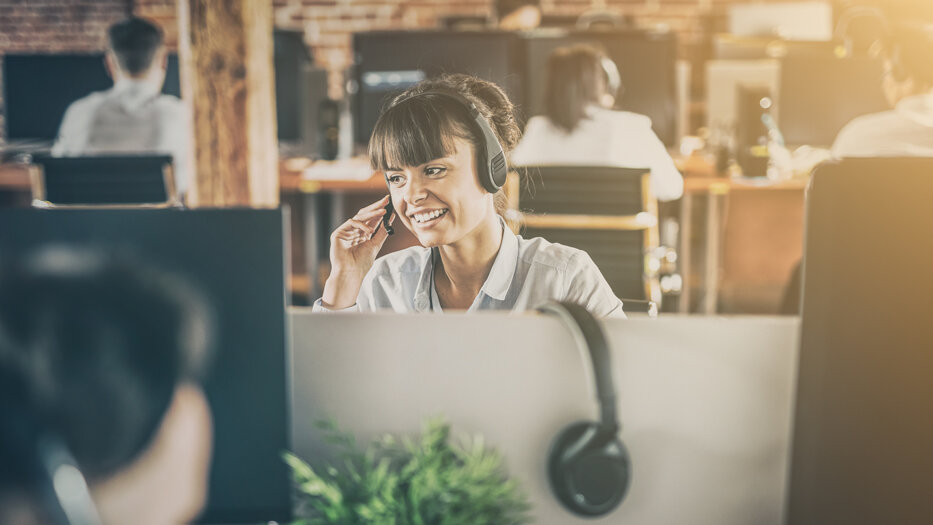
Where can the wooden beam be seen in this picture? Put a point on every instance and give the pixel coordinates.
(225, 53)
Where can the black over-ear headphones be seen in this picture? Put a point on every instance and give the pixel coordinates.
(588, 466)
(41, 459)
(492, 168)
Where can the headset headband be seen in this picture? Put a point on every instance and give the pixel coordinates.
(494, 167)
(590, 337)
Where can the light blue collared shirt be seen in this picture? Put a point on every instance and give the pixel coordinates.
(525, 274)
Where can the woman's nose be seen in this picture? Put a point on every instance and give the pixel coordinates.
(415, 190)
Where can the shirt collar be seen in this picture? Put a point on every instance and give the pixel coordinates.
(497, 282)
(423, 290)
(503, 268)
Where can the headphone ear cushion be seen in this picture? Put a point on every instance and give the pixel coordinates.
(589, 469)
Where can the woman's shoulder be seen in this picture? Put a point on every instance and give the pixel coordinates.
(540, 251)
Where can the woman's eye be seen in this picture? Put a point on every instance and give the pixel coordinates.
(434, 171)
(395, 179)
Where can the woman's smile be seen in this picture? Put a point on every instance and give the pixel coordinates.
(427, 218)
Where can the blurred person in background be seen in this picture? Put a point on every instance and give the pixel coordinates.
(133, 116)
(907, 129)
(101, 416)
(580, 128)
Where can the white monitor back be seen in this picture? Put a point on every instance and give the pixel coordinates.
(705, 403)
(790, 20)
(723, 78)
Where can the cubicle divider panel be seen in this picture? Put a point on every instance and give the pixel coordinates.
(237, 258)
(705, 403)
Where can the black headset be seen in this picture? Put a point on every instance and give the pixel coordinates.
(42, 458)
(588, 465)
(493, 167)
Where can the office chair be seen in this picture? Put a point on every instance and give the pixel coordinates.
(862, 428)
(610, 213)
(103, 181)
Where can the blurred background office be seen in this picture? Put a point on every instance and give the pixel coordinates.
(744, 96)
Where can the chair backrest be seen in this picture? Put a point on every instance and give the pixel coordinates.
(862, 431)
(609, 213)
(100, 181)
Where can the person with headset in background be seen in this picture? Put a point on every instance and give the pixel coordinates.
(907, 129)
(580, 128)
(102, 420)
(442, 148)
(904, 131)
(133, 116)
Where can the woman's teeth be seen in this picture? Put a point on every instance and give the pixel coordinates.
(431, 215)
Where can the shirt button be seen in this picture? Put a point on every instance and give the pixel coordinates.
(420, 304)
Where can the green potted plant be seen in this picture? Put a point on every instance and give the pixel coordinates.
(426, 481)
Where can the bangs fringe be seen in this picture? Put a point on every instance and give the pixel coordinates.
(417, 131)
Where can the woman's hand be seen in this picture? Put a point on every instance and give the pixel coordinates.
(353, 248)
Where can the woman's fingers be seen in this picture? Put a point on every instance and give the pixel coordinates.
(366, 216)
(362, 226)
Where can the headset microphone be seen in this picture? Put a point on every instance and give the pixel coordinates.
(588, 467)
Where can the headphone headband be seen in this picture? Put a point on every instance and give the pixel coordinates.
(493, 169)
(590, 337)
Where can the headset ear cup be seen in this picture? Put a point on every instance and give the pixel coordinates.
(589, 469)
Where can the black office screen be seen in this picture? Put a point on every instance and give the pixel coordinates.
(646, 61)
(236, 257)
(388, 62)
(861, 449)
(37, 89)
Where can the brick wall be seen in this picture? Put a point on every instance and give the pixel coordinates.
(50, 26)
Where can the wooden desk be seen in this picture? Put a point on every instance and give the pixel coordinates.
(753, 236)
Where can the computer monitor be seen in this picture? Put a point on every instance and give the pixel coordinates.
(387, 62)
(646, 62)
(819, 95)
(864, 405)
(237, 257)
(723, 80)
(37, 89)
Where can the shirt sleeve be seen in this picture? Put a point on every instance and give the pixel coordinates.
(586, 286)
(666, 181)
(364, 300)
(318, 307)
(72, 134)
(182, 149)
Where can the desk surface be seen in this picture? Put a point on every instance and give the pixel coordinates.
(698, 179)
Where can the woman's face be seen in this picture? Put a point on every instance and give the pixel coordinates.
(441, 201)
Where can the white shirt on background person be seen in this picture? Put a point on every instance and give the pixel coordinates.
(605, 138)
(905, 131)
(131, 117)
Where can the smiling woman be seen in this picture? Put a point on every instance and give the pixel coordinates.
(442, 146)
